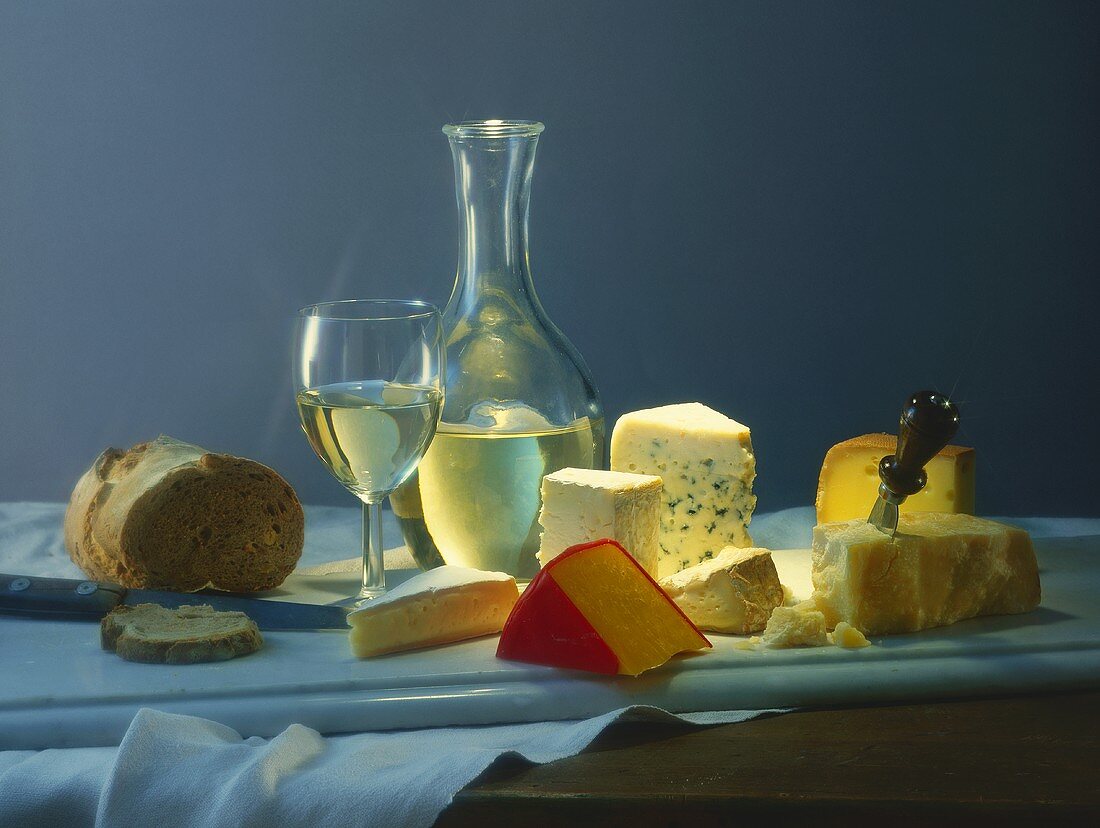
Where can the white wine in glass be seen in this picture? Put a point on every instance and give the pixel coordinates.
(369, 380)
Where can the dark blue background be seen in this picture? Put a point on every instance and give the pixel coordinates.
(795, 212)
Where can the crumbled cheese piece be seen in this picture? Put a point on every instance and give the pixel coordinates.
(848, 637)
(750, 643)
(802, 625)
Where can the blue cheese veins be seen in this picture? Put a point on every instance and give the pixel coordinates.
(706, 462)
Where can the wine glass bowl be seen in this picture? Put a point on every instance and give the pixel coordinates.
(368, 376)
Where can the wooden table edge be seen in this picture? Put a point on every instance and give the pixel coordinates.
(1012, 759)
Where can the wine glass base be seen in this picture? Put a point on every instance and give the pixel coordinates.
(366, 595)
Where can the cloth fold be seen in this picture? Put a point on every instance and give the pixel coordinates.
(189, 771)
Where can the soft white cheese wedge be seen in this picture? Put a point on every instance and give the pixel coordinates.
(581, 505)
(733, 592)
(706, 462)
(449, 603)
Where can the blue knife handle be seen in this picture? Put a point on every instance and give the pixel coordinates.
(31, 595)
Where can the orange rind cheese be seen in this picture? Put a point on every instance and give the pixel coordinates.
(848, 484)
(595, 608)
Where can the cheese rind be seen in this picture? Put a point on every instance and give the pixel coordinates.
(848, 483)
(706, 462)
(734, 592)
(594, 608)
(445, 604)
(802, 625)
(938, 569)
(581, 505)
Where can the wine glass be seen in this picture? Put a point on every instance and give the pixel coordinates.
(368, 375)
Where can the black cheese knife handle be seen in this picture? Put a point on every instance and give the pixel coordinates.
(31, 595)
(928, 422)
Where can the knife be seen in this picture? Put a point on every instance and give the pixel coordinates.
(928, 422)
(63, 598)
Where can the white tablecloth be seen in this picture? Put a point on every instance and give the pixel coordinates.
(184, 771)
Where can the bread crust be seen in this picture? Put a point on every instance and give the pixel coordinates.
(151, 634)
(169, 515)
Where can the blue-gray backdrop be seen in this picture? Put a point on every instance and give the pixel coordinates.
(796, 212)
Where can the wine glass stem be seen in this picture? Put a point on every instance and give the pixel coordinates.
(374, 572)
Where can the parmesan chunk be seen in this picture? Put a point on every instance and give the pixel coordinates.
(938, 569)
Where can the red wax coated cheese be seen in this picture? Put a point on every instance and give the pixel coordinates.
(572, 643)
(594, 608)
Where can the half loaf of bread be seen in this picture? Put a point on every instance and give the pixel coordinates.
(186, 635)
(169, 515)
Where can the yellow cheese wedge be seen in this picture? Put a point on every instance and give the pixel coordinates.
(849, 480)
(613, 593)
(937, 570)
(594, 608)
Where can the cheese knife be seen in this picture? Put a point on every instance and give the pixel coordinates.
(928, 422)
(29, 595)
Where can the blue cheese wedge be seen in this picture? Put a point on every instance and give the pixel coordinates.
(706, 462)
(445, 604)
(581, 505)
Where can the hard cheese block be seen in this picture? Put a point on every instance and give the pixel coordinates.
(938, 569)
(445, 604)
(733, 592)
(594, 608)
(580, 505)
(849, 480)
(706, 462)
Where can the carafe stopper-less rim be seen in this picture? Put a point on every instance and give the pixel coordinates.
(494, 128)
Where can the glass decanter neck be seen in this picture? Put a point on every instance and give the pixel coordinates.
(493, 162)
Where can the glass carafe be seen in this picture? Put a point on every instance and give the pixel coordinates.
(520, 402)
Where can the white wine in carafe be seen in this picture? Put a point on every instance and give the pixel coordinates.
(475, 498)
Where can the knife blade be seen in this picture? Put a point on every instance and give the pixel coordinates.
(928, 422)
(884, 514)
(30, 595)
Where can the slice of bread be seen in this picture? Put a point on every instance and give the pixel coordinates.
(186, 635)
